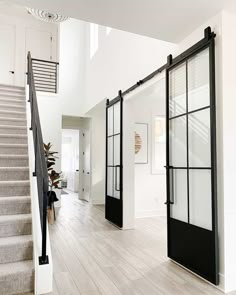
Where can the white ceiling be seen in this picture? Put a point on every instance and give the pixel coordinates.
(169, 20)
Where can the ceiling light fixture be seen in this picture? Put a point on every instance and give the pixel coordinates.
(46, 16)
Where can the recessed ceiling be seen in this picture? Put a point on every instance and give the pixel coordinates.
(169, 20)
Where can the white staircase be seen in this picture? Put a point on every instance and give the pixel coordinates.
(16, 246)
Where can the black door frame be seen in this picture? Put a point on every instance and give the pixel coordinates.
(200, 255)
(113, 206)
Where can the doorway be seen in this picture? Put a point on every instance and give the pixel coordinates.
(70, 160)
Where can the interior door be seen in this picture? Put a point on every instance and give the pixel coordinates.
(114, 166)
(7, 54)
(191, 162)
(86, 175)
(39, 43)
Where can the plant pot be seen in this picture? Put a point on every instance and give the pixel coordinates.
(52, 198)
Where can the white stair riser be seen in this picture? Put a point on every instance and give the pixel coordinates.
(16, 122)
(12, 139)
(12, 162)
(16, 252)
(12, 108)
(17, 190)
(14, 174)
(13, 150)
(4, 130)
(17, 285)
(11, 208)
(15, 115)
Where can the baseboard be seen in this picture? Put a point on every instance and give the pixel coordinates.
(97, 202)
(153, 213)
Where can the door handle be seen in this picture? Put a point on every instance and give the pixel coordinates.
(116, 187)
(170, 201)
(12, 72)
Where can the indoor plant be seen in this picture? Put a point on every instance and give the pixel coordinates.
(54, 179)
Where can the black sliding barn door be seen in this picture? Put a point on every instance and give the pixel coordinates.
(191, 159)
(114, 167)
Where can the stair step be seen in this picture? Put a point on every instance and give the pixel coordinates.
(12, 101)
(12, 107)
(14, 188)
(15, 205)
(13, 138)
(14, 249)
(13, 149)
(12, 95)
(17, 277)
(12, 87)
(12, 121)
(14, 160)
(14, 173)
(15, 225)
(11, 129)
(12, 114)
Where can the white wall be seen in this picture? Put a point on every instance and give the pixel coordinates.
(150, 189)
(98, 153)
(50, 118)
(21, 21)
(72, 67)
(122, 59)
(227, 170)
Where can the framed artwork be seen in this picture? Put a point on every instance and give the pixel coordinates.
(158, 144)
(141, 143)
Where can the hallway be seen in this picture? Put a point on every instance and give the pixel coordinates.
(92, 257)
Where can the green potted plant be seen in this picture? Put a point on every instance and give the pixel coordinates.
(54, 179)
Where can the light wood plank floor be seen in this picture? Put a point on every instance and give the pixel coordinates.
(92, 257)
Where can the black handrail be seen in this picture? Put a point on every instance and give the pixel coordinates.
(45, 75)
(40, 171)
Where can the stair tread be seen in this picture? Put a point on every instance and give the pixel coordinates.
(15, 240)
(17, 199)
(11, 112)
(13, 127)
(15, 218)
(13, 135)
(11, 105)
(14, 144)
(12, 86)
(2, 156)
(17, 182)
(15, 268)
(12, 168)
(11, 119)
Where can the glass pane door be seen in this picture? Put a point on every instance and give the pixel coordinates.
(191, 162)
(114, 209)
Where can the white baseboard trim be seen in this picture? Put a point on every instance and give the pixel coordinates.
(97, 202)
(146, 214)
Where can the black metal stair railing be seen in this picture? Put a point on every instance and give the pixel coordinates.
(45, 75)
(40, 172)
